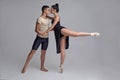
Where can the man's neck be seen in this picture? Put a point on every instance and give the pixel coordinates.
(44, 15)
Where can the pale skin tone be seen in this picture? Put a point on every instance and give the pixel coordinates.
(32, 52)
(65, 32)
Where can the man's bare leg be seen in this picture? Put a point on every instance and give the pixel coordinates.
(32, 52)
(43, 52)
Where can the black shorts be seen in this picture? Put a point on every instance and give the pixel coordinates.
(42, 41)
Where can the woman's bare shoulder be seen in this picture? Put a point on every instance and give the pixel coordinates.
(57, 17)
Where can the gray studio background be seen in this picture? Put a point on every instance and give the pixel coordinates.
(88, 58)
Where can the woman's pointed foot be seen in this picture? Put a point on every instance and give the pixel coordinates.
(95, 34)
(61, 69)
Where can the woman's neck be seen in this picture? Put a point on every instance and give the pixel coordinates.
(55, 14)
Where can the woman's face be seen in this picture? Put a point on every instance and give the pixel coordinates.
(52, 10)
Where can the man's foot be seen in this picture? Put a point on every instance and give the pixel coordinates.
(95, 34)
(23, 70)
(44, 69)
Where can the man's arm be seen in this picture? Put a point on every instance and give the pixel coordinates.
(37, 28)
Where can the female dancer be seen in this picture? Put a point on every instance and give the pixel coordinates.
(62, 34)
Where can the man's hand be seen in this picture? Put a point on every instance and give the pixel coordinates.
(43, 33)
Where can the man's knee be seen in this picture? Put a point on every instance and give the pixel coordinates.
(43, 51)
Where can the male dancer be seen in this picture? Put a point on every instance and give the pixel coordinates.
(42, 25)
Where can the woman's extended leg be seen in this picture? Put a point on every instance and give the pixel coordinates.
(28, 60)
(63, 54)
(68, 32)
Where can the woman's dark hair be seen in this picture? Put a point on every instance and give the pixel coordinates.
(44, 7)
(56, 7)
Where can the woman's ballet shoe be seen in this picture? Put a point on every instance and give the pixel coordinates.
(95, 34)
(61, 69)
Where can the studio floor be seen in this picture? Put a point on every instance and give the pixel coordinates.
(10, 69)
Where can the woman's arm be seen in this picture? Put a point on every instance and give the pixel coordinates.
(56, 20)
(50, 17)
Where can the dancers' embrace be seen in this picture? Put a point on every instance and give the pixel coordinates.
(62, 35)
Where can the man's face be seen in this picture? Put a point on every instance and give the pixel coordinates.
(47, 11)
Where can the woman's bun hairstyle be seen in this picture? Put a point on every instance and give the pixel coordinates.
(56, 7)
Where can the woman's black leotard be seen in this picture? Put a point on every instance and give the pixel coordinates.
(59, 35)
